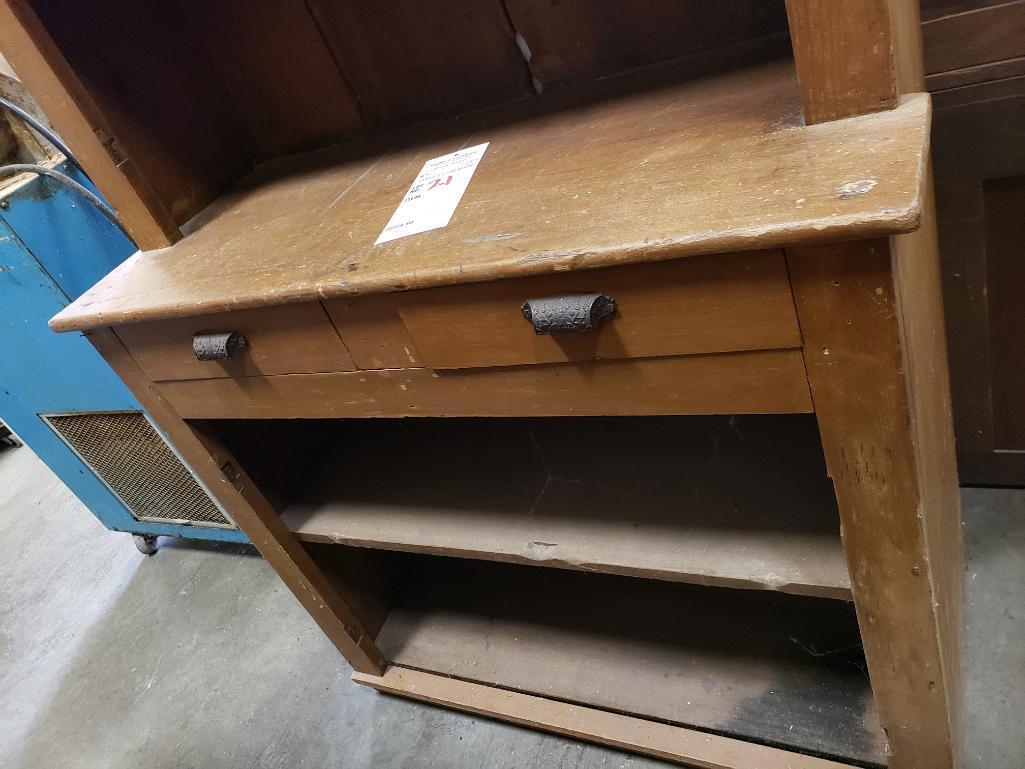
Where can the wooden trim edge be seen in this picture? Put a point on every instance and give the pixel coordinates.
(672, 743)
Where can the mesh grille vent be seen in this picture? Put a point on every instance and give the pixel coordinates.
(135, 462)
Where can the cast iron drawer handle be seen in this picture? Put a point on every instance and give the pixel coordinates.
(218, 346)
(572, 312)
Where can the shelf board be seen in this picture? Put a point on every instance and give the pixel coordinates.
(772, 669)
(705, 500)
(636, 168)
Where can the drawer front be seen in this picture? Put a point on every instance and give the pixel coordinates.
(719, 303)
(290, 339)
(764, 382)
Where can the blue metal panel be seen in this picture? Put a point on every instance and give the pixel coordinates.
(43, 372)
(74, 242)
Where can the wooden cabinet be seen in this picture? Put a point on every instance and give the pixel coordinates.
(974, 58)
(688, 531)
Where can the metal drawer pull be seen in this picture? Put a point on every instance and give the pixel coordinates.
(572, 312)
(218, 346)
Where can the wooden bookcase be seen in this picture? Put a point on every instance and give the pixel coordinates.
(722, 528)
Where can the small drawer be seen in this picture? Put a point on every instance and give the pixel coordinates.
(289, 339)
(707, 304)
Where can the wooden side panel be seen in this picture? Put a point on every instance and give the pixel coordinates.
(279, 71)
(738, 383)
(82, 124)
(843, 56)
(576, 40)
(962, 235)
(261, 522)
(918, 289)
(419, 62)
(976, 145)
(671, 743)
(1005, 257)
(878, 378)
(169, 112)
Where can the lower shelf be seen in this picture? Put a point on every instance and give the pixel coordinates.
(770, 669)
(615, 730)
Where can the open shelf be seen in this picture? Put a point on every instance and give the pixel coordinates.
(739, 502)
(640, 167)
(773, 669)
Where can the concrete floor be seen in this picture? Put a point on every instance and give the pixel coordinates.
(198, 657)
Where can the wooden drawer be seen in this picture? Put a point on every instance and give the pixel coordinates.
(289, 339)
(719, 303)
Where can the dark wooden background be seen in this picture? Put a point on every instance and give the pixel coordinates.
(975, 68)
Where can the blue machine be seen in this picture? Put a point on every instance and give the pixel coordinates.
(56, 390)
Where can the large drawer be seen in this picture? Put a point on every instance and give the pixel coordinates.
(288, 339)
(708, 304)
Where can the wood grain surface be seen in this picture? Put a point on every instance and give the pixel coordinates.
(767, 382)
(292, 339)
(645, 497)
(875, 356)
(720, 303)
(715, 165)
(770, 668)
(671, 743)
(572, 41)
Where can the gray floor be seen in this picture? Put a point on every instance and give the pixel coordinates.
(197, 657)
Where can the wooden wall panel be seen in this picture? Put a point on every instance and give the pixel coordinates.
(279, 71)
(152, 82)
(934, 9)
(424, 61)
(978, 127)
(1005, 252)
(975, 37)
(576, 40)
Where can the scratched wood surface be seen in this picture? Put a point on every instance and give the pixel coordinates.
(645, 497)
(770, 668)
(767, 382)
(602, 175)
(688, 747)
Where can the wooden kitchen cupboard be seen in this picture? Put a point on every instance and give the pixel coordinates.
(719, 525)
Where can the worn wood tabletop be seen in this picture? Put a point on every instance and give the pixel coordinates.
(607, 174)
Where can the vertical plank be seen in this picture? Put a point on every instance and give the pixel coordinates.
(573, 41)
(424, 61)
(878, 378)
(919, 292)
(78, 119)
(962, 233)
(843, 56)
(279, 71)
(156, 87)
(1005, 257)
(235, 490)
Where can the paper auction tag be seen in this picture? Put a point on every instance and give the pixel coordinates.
(435, 193)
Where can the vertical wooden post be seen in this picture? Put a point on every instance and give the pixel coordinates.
(855, 56)
(875, 350)
(873, 333)
(237, 493)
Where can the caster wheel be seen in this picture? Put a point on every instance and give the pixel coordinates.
(146, 543)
